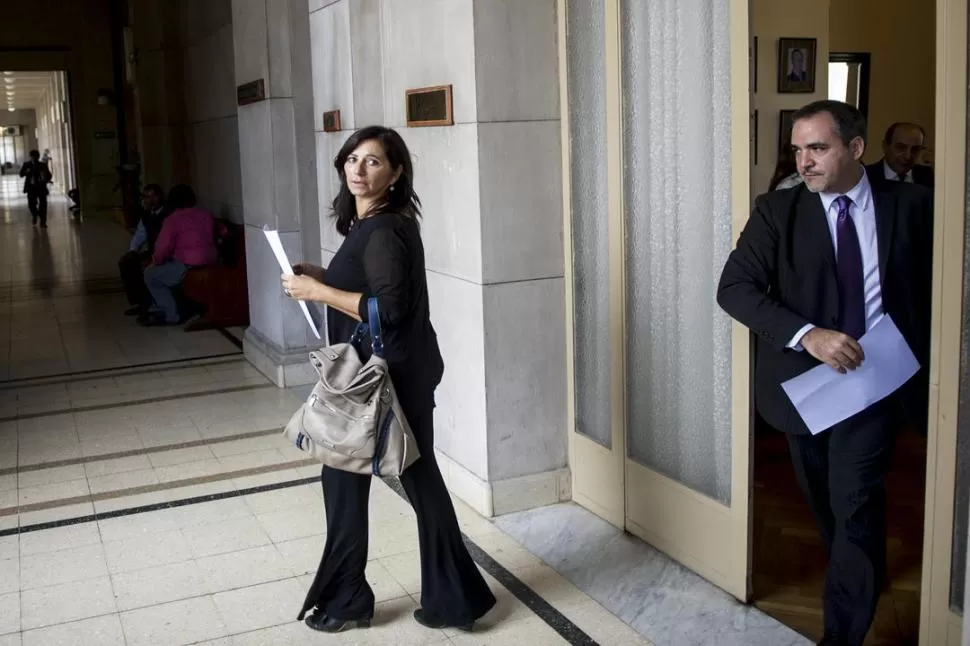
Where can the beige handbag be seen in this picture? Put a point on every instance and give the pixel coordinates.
(353, 420)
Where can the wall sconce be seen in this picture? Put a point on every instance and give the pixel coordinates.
(105, 97)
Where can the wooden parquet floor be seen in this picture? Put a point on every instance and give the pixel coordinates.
(789, 560)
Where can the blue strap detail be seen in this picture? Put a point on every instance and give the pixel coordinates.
(374, 322)
(371, 328)
(375, 464)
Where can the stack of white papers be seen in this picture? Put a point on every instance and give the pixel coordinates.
(824, 397)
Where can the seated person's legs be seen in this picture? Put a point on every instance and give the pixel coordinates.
(160, 280)
(131, 267)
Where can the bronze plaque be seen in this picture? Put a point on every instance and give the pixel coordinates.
(331, 121)
(430, 106)
(250, 92)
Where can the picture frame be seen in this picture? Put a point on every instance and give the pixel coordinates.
(429, 106)
(331, 121)
(784, 129)
(797, 61)
(753, 66)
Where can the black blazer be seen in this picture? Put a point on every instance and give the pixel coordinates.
(37, 176)
(922, 175)
(782, 276)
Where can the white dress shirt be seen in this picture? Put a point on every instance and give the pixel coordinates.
(863, 214)
(890, 174)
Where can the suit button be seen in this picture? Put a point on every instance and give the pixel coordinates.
(834, 320)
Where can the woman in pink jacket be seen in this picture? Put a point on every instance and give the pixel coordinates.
(187, 240)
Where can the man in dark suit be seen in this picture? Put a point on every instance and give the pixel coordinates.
(901, 149)
(139, 255)
(815, 267)
(36, 178)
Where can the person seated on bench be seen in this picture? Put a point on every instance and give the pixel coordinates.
(187, 240)
(132, 265)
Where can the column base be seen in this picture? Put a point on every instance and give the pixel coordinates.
(285, 368)
(502, 497)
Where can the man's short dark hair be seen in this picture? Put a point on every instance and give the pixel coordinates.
(891, 130)
(849, 121)
(155, 189)
(34, 153)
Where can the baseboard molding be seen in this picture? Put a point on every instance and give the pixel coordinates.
(502, 497)
(284, 368)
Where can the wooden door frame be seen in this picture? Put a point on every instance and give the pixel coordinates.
(938, 624)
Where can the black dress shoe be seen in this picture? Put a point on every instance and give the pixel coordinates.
(323, 623)
(154, 319)
(427, 621)
(136, 310)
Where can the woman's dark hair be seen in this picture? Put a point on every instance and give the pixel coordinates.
(400, 198)
(181, 196)
(784, 168)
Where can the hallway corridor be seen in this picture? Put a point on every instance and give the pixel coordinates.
(147, 498)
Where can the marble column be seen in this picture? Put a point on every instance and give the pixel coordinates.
(492, 228)
(278, 167)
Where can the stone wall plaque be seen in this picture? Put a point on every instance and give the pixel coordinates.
(251, 92)
(331, 121)
(429, 106)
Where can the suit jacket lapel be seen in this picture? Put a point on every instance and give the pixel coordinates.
(813, 213)
(885, 207)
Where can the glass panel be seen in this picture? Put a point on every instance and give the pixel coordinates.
(586, 57)
(677, 158)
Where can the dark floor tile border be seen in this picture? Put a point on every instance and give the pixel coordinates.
(16, 383)
(532, 600)
(228, 359)
(152, 488)
(138, 402)
(222, 439)
(542, 608)
(232, 338)
(170, 504)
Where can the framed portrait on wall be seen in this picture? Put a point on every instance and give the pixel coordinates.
(784, 130)
(796, 65)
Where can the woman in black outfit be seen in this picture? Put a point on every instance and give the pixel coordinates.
(382, 256)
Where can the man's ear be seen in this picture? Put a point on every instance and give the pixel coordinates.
(858, 148)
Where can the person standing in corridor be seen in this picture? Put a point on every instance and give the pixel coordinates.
(815, 268)
(36, 176)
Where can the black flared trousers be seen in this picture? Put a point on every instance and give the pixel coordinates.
(452, 589)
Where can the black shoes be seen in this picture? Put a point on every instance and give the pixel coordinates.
(323, 623)
(136, 310)
(430, 622)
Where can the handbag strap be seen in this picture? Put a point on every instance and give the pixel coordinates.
(372, 327)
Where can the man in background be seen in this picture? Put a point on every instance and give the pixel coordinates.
(139, 255)
(901, 148)
(36, 178)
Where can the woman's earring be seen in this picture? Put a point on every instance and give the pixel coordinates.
(392, 187)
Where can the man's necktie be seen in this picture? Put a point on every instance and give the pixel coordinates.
(852, 291)
(901, 178)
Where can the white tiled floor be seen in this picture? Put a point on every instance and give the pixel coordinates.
(231, 571)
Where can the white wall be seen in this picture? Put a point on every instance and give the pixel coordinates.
(492, 195)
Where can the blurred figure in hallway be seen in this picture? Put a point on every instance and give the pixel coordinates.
(36, 178)
(139, 255)
(902, 147)
(187, 240)
(47, 159)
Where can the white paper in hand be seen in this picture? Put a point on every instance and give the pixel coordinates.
(823, 397)
(273, 237)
